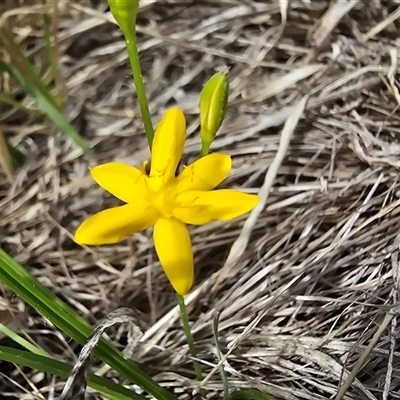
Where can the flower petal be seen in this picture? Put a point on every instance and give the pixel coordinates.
(198, 208)
(112, 225)
(205, 173)
(121, 180)
(169, 140)
(174, 250)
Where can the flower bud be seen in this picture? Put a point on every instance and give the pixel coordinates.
(213, 102)
(124, 12)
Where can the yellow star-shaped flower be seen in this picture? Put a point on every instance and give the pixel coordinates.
(165, 201)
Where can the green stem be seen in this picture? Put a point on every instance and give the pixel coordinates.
(188, 334)
(205, 148)
(131, 44)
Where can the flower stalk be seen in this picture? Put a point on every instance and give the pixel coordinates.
(189, 336)
(139, 83)
(125, 13)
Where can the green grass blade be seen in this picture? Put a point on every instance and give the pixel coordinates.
(25, 66)
(6, 99)
(45, 105)
(49, 25)
(5, 157)
(21, 341)
(249, 394)
(17, 157)
(46, 364)
(29, 289)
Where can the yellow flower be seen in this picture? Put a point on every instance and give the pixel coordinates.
(165, 201)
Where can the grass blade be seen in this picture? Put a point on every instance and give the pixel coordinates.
(21, 341)
(25, 66)
(29, 289)
(219, 355)
(6, 99)
(249, 394)
(46, 364)
(17, 157)
(5, 157)
(50, 22)
(48, 107)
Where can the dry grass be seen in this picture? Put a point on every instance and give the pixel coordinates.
(306, 308)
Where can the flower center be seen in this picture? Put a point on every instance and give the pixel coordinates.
(164, 201)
